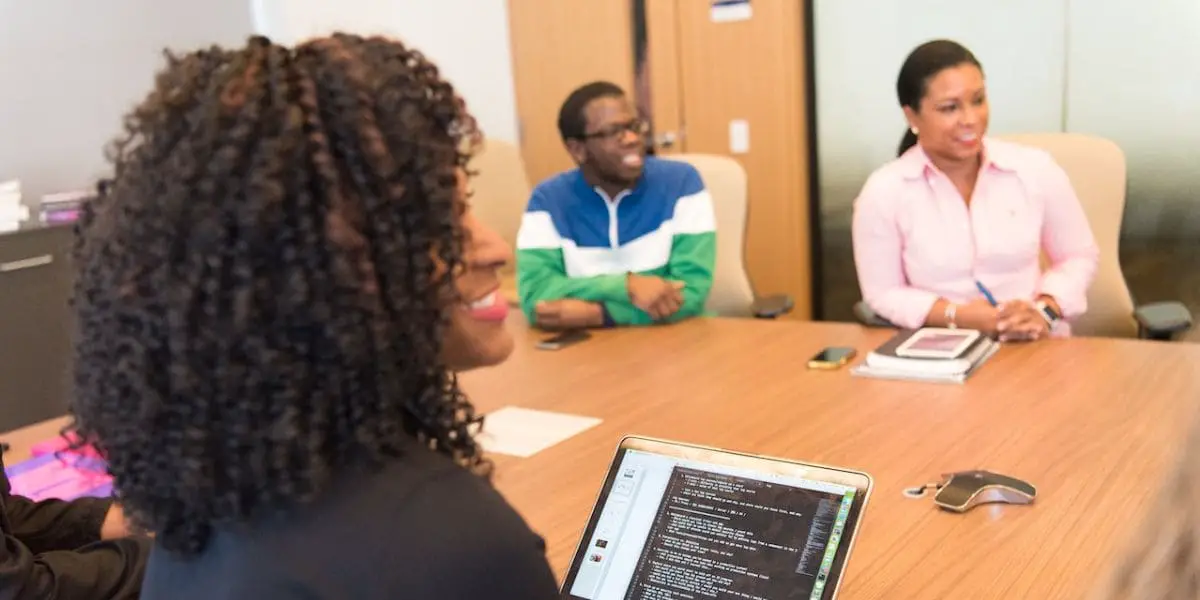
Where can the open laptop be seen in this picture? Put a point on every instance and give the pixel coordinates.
(677, 521)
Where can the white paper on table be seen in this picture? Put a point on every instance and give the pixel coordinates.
(524, 432)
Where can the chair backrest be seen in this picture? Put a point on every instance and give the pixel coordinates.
(1096, 168)
(731, 295)
(501, 187)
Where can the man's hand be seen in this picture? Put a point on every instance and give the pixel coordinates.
(1021, 321)
(569, 314)
(669, 303)
(658, 297)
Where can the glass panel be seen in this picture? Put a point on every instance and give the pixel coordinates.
(1132, 77)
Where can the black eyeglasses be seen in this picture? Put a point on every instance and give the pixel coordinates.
(637, 126)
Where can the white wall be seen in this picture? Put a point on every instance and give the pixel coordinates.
(69, 70)
(467, 39)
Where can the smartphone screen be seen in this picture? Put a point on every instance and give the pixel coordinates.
(834, 356)
(564, 339)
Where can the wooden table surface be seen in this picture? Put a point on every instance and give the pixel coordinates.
(1094, 424)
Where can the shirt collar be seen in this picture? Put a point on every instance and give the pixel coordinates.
(915, 162)
(615, 199)
(582, 183)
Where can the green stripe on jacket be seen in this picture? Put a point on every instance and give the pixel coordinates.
(541, 277)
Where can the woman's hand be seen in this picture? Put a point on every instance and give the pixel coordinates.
(979, 315)
(1021, 321)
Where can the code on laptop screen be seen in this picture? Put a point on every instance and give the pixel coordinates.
(675, 532)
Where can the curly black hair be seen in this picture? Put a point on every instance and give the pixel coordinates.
(262, 288)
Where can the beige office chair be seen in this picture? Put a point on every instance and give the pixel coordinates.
(501, 193)
(732, 294)
(1096, 167)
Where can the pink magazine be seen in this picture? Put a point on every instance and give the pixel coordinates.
(64, 476)
(59, 444)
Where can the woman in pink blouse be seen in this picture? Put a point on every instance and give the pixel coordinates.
(958, 217)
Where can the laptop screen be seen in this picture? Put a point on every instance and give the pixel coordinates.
(674, 525)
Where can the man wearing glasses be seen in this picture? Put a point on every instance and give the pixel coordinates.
(624, 239)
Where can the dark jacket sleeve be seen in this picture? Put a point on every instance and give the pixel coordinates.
(56, 524)
(110, 570)
(50, 551)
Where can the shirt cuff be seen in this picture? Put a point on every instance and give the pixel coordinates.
(613, 288)
(1061, 289)
(906, 308)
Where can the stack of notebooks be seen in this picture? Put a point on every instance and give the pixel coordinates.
(12, 211)
(929, 354)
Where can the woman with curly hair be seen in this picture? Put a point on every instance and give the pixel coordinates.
(271, 300)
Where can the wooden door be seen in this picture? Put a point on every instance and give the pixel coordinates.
(558, 45)
(662, 56)
(751, 70)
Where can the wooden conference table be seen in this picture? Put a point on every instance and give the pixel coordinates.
(1094, 424)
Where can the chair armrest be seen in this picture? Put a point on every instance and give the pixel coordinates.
(771, 307)
(1162, 320)
(867, 317)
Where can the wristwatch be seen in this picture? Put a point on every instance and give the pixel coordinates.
(1048, 313)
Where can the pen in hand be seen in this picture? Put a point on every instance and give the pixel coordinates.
(986, 293)
(1002, 326)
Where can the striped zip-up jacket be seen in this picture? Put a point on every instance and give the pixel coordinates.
(575, 242)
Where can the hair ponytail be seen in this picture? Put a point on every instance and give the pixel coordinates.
(908, 141)
(922, 64)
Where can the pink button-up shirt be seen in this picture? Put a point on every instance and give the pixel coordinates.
(915, 240)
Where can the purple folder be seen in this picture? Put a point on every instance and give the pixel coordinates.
(65, 476)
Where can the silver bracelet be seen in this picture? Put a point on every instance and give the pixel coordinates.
(951, 314)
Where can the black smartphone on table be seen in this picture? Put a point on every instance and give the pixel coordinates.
(561, 340)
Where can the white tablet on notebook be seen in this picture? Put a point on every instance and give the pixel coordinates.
(933, 342)
(680, 521)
